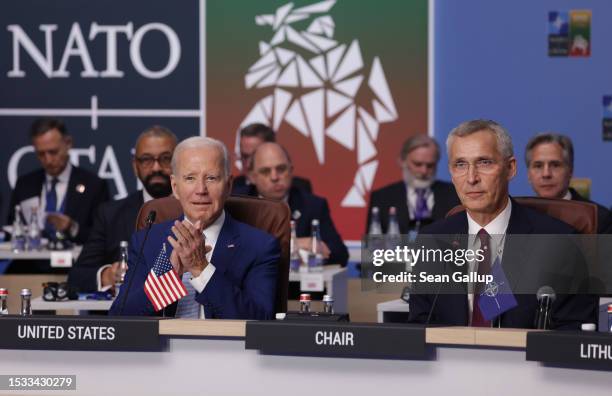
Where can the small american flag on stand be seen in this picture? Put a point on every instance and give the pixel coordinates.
(163, 287)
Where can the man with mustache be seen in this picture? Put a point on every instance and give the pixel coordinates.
(251, 136)
(97, 265)
(419, 198)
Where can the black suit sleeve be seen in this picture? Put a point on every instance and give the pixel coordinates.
(100, 196)
(329, 234)
(15, 199)
(93, 256)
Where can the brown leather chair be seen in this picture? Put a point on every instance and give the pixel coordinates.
(580, 215)
(269, 216)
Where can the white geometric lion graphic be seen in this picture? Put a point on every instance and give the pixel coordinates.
(316, 80)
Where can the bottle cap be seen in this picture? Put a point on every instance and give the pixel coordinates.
(123, 244)
(3, 291)
(609, 308)
(26, 292)
(315, 222)
(375, 209)
(328, 298)
(304, 297)
(392, 210)
(588, 327)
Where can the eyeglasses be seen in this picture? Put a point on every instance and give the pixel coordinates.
(280, 170)
(483, 166)
(148, 160)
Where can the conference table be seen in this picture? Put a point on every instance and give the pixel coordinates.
(210, 357)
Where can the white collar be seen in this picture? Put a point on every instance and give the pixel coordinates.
(568, 195)
(62, 177)
(146, 197)
(497, 226)
(211, 233)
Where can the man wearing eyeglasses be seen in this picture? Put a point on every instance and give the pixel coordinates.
(550, 166)
(96, 267)
(419, 198)
(272, 172)
(482, 163)
(251, 136)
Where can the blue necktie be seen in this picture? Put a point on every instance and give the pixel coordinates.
(51, 206)
(188, 307)
(51, 197)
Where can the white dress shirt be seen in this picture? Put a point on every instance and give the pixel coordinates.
(61, 189)
(497, 230)
(211, 234)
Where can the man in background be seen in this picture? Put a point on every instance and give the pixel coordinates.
(272, 174)
(96, 267)
(419, 198)
(550, 167)
(68, 195)
(251, 136)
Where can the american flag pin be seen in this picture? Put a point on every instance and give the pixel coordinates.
(231, 245)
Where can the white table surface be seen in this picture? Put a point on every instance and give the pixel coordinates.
(7, 254)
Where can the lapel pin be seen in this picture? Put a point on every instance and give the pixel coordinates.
(80, 188)
(231, 245)
(296, 214)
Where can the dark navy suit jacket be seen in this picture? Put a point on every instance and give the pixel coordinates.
(604, 217)
(114, 221)
(243, 285)
(304, 208)
(79, 203)
(395, 194)
(520, 260)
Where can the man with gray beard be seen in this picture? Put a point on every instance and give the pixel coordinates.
(419, 199)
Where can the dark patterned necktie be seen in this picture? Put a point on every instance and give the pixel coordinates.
(421, 211)
(484, 268)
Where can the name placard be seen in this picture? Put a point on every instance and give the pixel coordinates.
(580, 349)
(80, 333)
(362, 340)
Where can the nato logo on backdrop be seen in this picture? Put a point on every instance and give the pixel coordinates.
(569, 33)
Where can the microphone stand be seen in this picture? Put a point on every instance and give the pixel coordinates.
(149, 223)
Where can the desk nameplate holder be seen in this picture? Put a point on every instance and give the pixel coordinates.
(359, 340)
(570, 348)
(92, 333)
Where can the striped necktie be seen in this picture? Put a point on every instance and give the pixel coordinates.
(188, 307)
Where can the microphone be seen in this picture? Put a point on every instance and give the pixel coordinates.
(148, 223)
(546, 297)
(455, 245)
